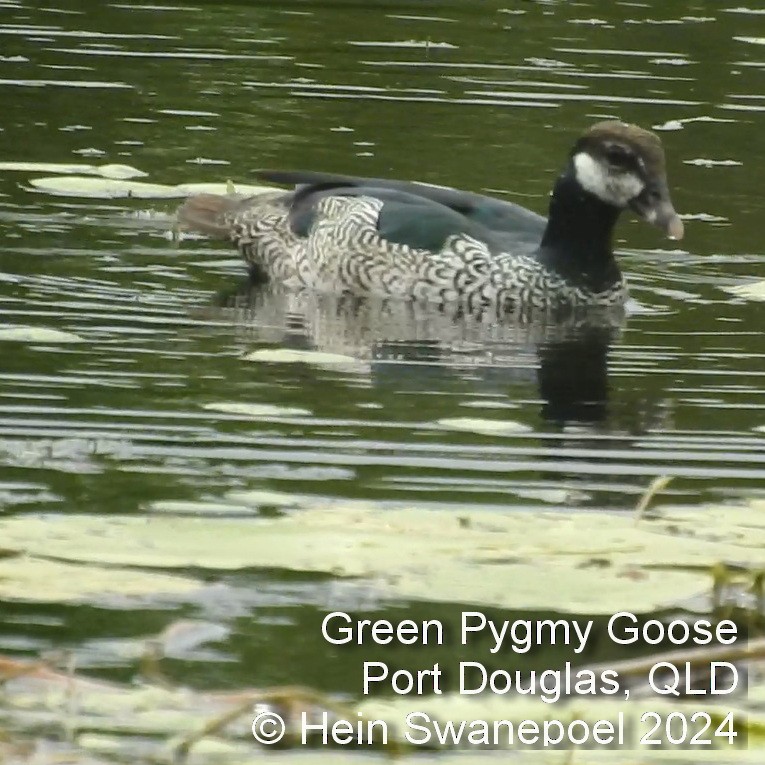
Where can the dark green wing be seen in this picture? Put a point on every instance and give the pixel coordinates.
(517, 226)
(404, 218)
(416, 213)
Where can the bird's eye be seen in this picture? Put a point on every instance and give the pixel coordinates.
(618, 154)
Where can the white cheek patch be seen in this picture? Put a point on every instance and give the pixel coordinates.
(591, 175)
(614, 188)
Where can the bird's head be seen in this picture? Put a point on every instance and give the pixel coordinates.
(623, 165)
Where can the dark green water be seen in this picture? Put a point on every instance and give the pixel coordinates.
(475, 95)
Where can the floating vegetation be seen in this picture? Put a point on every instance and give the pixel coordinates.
(103, 188)
(558, 560)
(115, 172)
(38, 335)
(38, 580)
(256, 411)
(483, 426)
(116, 186)
(295, 356)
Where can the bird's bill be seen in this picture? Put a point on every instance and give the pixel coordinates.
(655, 206)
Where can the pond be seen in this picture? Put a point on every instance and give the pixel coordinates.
(144, 380)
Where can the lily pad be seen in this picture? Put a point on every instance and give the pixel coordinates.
(104, 188)
(295, 356)
(37, 335)
(29, 579)
(256, 411)
(105, 171)
(291, 356)
(483, 426)
(111, 182)
(556, 560)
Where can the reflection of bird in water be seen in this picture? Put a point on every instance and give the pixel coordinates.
(427, 363)
(573, 377)
(338, 234)
(406, 343)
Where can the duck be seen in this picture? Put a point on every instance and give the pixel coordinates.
(436, 244)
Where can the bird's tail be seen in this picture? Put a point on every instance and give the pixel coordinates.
(217, 214)
(209, 214)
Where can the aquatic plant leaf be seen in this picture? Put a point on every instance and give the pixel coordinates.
(484, 426)
(29, 579)
(106, 171)
(256, 411)
(103, 188)
(293, 356)
(37, 335)
(557, 560)
(113, 182)
(297, 356)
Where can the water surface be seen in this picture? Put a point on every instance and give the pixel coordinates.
(429, 409)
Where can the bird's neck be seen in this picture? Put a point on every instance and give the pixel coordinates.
(577, 240)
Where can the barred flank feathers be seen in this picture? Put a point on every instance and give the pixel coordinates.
(206, 213)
